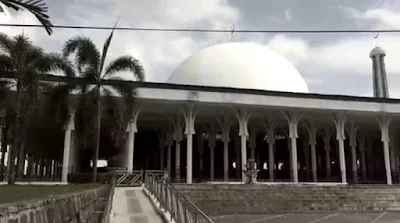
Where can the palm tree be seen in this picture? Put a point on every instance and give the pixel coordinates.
(26, 64)
(36, 7)
(90, 64)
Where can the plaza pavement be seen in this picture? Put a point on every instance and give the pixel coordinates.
(378, 217)
(130, 205)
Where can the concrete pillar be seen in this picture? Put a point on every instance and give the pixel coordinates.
(243, 118)
(178, 126)
(269, 125)
(340, 120)
(200, 149)
(211, 144)
(362, 139)
(130, 150)
(67, 148)
(306, 151)
(327, 134)
(189, 131)
(312, 135)
(253, 143)
(289, 146)
(237, 154)
(353, 128)
(169, 141)
(384, 123)
(393, 149)
(161, 146)
(293, 119)
(225, 125)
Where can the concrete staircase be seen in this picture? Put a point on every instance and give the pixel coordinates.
(221, 199)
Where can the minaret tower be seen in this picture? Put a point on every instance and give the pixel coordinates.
(379, 73)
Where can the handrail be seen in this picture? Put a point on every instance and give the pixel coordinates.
(107, 210)
(181, 209)
(190, 203)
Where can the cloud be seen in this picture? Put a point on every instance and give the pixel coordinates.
(288, 14)
(158, 51)
(335, 63)
(383, 16)
(345, 60)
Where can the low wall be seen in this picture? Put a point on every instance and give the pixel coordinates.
(220, 199)
(76, 207)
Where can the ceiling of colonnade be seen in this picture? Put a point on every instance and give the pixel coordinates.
(158, 115)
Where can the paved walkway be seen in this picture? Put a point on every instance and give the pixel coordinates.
(131, 205)
(385, 217)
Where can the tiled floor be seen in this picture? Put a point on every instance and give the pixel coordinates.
(386, 217)
(131, 205)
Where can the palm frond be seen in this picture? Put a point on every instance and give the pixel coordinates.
(6, 43)
(56, 62)
(37, 7)
(5, 86)
(105, 50)
(5, 63)
(128, 94)
(125, 63)
(114, 117)
(86, 55)
(57, 104)
(85, 117)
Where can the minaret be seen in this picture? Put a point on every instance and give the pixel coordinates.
(379, 73)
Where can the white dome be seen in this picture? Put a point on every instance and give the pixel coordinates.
(239, 65)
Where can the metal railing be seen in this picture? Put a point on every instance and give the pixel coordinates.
(107, 210)
(179, 207)
(130, 179)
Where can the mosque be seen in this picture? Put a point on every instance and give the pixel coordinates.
(234, 101)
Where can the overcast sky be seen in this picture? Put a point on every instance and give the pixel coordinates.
(330, 63)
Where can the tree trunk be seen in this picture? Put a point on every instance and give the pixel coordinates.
(29, 168)
(16, 137)
(98, 126)
(21, 162)
(4, 151)
(48, 168)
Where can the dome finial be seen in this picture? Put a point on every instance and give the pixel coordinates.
(232, 31)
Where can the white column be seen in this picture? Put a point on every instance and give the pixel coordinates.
(243, 118)
(189, 131)
(293, 119)
(252, 143)
(289, 147)
(312, 133)
(211, 144)
(306, 151)
(340, 120)
(169, 141)
(362, 139)
(200, 149)
(130, 150)
(178, 125)
(225, 125)
(384, 123)
(269, 125)
(393, 148)
(353, 128)
(161, 146)
(67, 148)
(327, 134)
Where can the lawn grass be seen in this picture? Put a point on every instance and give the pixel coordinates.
(15, 193)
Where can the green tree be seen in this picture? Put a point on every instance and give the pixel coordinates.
(95, 90)
(26, 64)
(37, 7)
